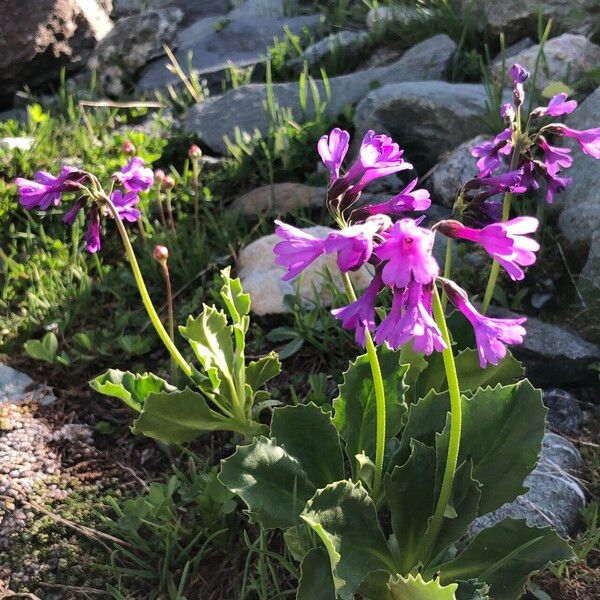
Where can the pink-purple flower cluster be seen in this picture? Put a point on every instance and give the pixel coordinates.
(46, 190)
(536, 160)
(401, 253)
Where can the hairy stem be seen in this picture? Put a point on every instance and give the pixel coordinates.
(447, 268)
(379, 395)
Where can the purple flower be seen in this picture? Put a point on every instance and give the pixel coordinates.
(519, 76)
(504, 242)
(332, 149)
(554, 183)
(507, 182)
(558, 105)
(134, 177)
(488, 152)
(407, 250)
(92, 234)
(555, 156)
(490, 334)
(360, 314)
(126, 205)
(70, 216)
(378, 156)
(354, 244)
(507, 111)
(588, 139)
(46, 189)
(410, 318)
(406, 201)
(297, 250)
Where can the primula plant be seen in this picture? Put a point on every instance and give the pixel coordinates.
(433, 426)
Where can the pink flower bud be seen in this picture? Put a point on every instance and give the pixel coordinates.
(194, 151)
(161, 253)
(128, 147)
(168, 182)
(159, 176)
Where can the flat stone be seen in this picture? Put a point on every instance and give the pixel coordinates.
(517, 18)
(554, 498)
(17, 143)
(16, 387)
(244, 107)
(238, 42)
(453, 170)
(344, 43)
(133, 42)
(258, 8)
(279, 198)
(192, 9)
(261, 277)
(436, 116)
(553, 356)
(564, 413)
(568, 57)
(383, 15)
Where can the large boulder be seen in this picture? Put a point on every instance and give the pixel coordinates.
(427, 118)
(343, 44)
(192, 9)
(279, 198)
(218, 43)
(244, 107)
(568, 57)
(261, 277)
(518, 18)
(39, 37)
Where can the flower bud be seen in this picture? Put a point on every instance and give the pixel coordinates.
(194, 151)
(168, 182)
(159, 176)
(128, 147)
(161, 253)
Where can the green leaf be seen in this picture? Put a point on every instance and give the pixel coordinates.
(557, 87)
(270, 481)
(416, 365)
(132, 389)
(308, 434)
(410, 493)
(502, 431)
(237, 302)
(505, 555)
(355, 410)
(415, 588)
(260, 371)
(316, 582)
(182, 416)
(344, 517)
(45, 349)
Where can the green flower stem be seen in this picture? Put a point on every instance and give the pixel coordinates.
(455, 431)
(447, 268)
(154, 318)
(379, 394)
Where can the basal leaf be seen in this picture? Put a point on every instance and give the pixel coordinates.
(505, 555)
(307, 433)
(344, 517)
(416, 588)
(132, 389)
(182, 416)
(355, 409)
(260, 371)
(316, 582)
(270, 481)
(416, 365)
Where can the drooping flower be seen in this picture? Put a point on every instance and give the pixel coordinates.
(354, 244)
(491, 334)
(70, 216)
(410, 319)
(92, 234)
(126, 205)
(519, 76)
(46, 190)
(588, 139)
(332, 149)
(558, 105)
(554, 183)
(512, 181)
(507, 242)
(489, 152)
(407, 252)
(134, 176)
(553, 155)
(360, 314)
(297, 250)
(378, 156)
(408, 200)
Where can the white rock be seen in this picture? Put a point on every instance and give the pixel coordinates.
(17, 387)
(17, 143)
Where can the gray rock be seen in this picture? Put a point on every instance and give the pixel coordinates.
(436, 116)
(381, 57)
(581, 200)
(279, 198)
(17, 143)
(453, 171)
(517, 18)
(517, 47)
(564, 413)
(346, 42)
(554, 497)
(258, 8)
(383, 15)
(553, 356)
(192, 9)
(16, 387)
(261, 277)
(15, 114)
(568, 56)
(243, 107)
(590, 274)
(224, 42)
(39, 37)
(134, 42)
